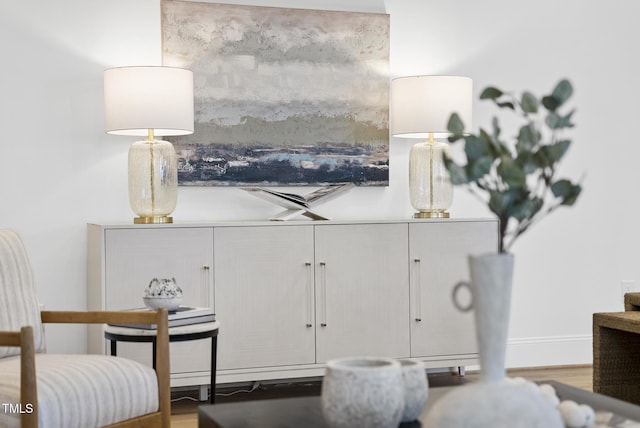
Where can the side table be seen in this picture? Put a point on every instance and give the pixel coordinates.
(616, 354)
(183, 333)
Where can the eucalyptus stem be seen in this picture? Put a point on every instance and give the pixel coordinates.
(518, 183)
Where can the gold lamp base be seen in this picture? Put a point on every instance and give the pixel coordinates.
(431, 214)
(153, 220)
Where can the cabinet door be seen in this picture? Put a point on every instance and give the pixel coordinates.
(438, 255)
(264, 295)
(135, 256)
(362, 290)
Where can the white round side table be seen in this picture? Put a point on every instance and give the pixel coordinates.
(182, 333)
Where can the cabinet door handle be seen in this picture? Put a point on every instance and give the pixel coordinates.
(309, 294)
(205, 292)
(418, 315)
(323, 301)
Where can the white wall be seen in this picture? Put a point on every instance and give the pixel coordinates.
(59, 170)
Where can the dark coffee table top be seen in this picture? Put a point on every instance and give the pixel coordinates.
(307, 412)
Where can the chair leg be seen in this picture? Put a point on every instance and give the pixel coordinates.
(28, 385)
(162, 367)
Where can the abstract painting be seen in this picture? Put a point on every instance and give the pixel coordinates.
(282, 96)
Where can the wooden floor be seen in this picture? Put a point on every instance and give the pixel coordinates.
(184, 408)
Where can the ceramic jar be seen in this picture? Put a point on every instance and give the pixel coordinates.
(416, 389)
(363, 392)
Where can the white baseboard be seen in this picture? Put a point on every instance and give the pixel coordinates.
(549, 351)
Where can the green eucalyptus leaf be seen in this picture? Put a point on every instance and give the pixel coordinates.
(526, 208)
(573, 197)
(550, 103)
(529, 103)
(566, 191)
(491, 93)
(457, 174)
(562, 92)
(554, 152)
(555, 121)
(540, 158)
(495, 124)
(527, 162)
(502, 203)
(511, 173)
(506, 104)
(492, 141)
(475, 147)
(455, 124)
(498, 204)
(528, 138)
(479, 168)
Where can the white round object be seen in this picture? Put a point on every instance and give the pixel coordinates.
(493, 404)
(362, 392)
(590, 415)
(416, 389)
(572, 414)
(549, 392)
(157, 302)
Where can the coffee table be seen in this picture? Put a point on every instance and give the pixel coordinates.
(306, 411)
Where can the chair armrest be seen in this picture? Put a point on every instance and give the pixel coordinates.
(159, 317)
(28, 385)
(103, 317)
(10, 338)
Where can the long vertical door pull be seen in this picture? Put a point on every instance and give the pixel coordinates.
(309, 294)
(323, 302)
(418, 314)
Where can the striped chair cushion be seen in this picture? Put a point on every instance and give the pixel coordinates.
(18, 302)
(81, 390)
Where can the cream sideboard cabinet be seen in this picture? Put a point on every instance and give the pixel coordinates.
(291, 295)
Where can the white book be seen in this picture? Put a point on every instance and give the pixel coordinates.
(184, 315)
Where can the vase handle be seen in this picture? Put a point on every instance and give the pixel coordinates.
(454, 297)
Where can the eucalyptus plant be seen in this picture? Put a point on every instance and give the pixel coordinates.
(518, 182)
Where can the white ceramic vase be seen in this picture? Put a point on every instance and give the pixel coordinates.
(491, 283)
(493, 401)
(416, 389)
(363, 392)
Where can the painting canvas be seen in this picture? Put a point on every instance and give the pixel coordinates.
(282, 96)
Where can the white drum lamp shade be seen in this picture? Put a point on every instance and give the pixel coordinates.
(150, 101)
(420, 108)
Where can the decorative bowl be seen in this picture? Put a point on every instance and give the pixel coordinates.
(157, 302)
(362, 392)
(163, 293)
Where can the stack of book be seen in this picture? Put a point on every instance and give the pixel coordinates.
(184, 315)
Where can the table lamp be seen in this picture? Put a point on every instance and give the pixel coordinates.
(150, 101)
(420, 108)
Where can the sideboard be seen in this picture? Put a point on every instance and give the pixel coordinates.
(291, 295)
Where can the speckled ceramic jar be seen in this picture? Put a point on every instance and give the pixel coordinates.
(363, 392)
(416, 389)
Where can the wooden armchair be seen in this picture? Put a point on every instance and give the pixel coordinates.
(40, 389)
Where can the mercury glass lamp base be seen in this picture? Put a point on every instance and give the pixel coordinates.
(153, 220)
(431, 214)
